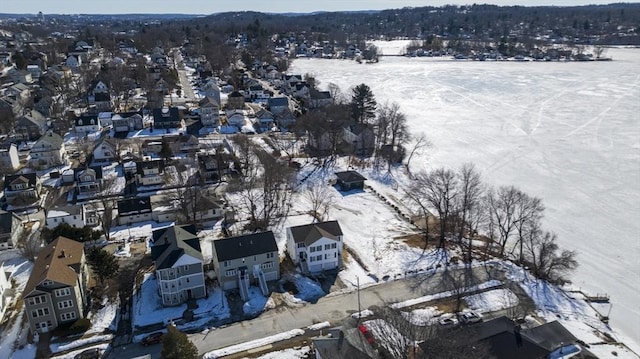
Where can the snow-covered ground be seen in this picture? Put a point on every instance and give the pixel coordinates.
(148, 308)
(565, 132)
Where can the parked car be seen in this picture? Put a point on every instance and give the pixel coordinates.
(448, 320)
(93, 353)
(367, 334)
(153, 338)
(470, 317)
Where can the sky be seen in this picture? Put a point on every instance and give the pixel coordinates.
(275, 6)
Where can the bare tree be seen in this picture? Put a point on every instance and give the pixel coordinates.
(392, 132)
(321, 198)
(528, 214)
(337, 96)
(421, 142)
(547, 260)
(502, 204)
(29, 243)
(265, 185)
(105, 204)
(470, 195)
(439, 189)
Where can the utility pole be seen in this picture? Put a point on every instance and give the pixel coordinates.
(359, 311)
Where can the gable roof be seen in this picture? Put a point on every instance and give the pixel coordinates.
(134, 205)
(208, 101)
(245, 246)
(310, 233)
(33, 118)
(169, 244)
(59, 262)
(93, 171)
(29, 178)
(350, 176)
(278, 102)
(51, 138)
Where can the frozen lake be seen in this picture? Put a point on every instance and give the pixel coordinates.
(568, 133)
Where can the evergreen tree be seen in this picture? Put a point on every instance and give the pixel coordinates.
(176, 345)
(165, 150)
(363, 104)
(103, 264)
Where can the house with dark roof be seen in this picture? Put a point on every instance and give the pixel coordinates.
(56, 292)
(133, 210)
(86, 123)
(166, 118)
(127, 121)
(31, 126)
(349, 180)
(21, 189)
(105, 151)
(316, 247)
(150, 173)
(235, 100)
(88, 180)
(10, 229)
(341, 342)
(246, 260)
(278, 104)
(179, 264)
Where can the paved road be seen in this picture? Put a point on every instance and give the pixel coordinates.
(333, 308)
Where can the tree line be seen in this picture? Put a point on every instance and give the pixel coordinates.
(510, 219)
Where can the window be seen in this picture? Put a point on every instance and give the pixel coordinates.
(270, 255)
(312, 259)
(37, 300)
(227, 263)
(319, 258)
(187, 280)
(319, 248)
(312, 249)
(266, 265)
(327, 246)
(68, 316)
(185, 268)
(231, 273)
(65, 304)
(334, 245)
(62, 292)
(300, 245)
(47, 282)
(335, 255)
(39, 312)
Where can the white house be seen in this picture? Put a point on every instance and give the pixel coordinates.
(105, 151)
(9, 159)
(5, 291)
(75, 216)
(73, 61)
(209, 112)
(316, 247)
(48, 151)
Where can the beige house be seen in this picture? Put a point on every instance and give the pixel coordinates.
(246, 260)
(56, 292)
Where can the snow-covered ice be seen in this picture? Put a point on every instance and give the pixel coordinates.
(565, 132)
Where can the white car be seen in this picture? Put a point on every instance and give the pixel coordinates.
(471, 317)
(448, 320)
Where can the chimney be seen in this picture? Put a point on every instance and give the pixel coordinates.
(62, 254)
(516, 332)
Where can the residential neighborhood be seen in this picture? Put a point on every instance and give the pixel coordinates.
(155, 185)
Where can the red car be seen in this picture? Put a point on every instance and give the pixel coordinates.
(367, 334)
(152, 338)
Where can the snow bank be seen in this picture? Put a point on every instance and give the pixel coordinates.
(431, 297)
(253, 344)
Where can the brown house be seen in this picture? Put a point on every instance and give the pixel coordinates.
(56, 292)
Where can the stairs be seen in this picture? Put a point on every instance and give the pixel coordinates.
(243, 284)
(263, 284)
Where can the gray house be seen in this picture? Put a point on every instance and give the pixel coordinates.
(178, 260)
(245, 260)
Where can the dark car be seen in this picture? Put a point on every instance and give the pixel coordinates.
(93, 353)
(153, 338)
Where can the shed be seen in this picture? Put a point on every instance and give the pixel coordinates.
(349, 180)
